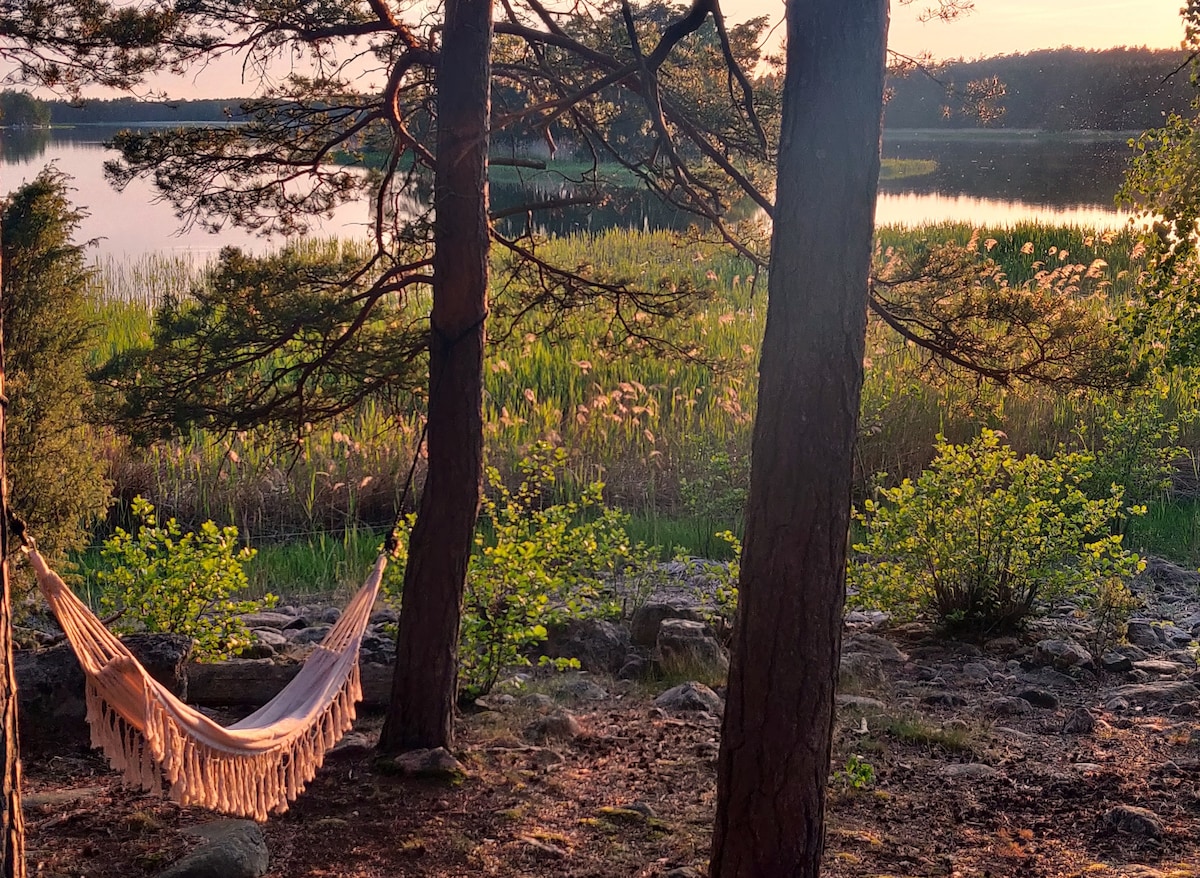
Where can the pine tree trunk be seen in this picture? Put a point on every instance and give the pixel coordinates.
(423, 691)
(775, 748)
(12, 821)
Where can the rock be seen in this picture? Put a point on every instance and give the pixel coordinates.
(968, 771)
(331, 615)
(977, 671)
(1166, 692)
(269, 636)
(690, 697)
(537, 701)
(1080, 722)
(635, 668)
(860, 703)
(254, 682)
(436, 764)
(1186, 708)
(646, 620)
(1003, 646)
(872, 644)
(1174, 636)
(599, 645)
(1132, 652)
(1009, 707)
(560, 725)
(257, 650)
(684, 872)
(1159, 668)
(1048, 677)
(1136, 821)
(231, 849)
(687, 646)
(50, 687)
(1141, 633)
(267, 619)
(944, 699)
(385, 616)
(580, 690)
(1039, 698)
(1116, 663)
(1062, 654)
(308, 634)
(1116, 705)
(860, 670)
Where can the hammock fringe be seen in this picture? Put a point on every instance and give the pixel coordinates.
(251, 769)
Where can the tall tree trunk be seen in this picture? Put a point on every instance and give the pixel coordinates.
(775, 746)
(12, 821)
(425, 683)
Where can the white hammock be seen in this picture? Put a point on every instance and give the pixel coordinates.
(253, 767)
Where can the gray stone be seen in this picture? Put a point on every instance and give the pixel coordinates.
(1080, 722)
(635, 668)
(257, 650)
(968, 771)
(1049, 677)
(860, 703)
(944, 699)
(254, 682)
(50, 687)
(646, 620)
(560, 725)
(1166, 692)
(308, 634)
(977, 671)
(860, 669)
(872, 644)
(1159, 667)
(1132, 652)
(267, 619)
(1116, 705)
(1174, 636)
(231, 849)
(684, 872)
(1062, 654)
(1116, 663)
(537, 701)
(691, 696)
(1141, 633)
(269, 636)
(331, 615)
(1136, 821)
(600, 646)
(1039, 698)
(580, 690)
(685, 646)
(437, 764)
(1009, 707)
(385, 616)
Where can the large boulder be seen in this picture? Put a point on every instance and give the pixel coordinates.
(254, 682)
(600, 645)
(685, 646)
(231, 849)
(648, 618)
(50, 687)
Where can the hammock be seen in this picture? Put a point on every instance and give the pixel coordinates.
(253, 767)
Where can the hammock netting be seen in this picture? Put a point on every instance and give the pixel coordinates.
(252, 768)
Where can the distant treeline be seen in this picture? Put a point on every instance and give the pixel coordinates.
(1054, 90)
(122, 111)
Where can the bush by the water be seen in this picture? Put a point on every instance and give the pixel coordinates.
(166, 580)
(983, 534)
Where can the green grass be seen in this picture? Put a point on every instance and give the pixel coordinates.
(899, 169)
(641, 421)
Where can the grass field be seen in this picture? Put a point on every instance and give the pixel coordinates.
(665, 432)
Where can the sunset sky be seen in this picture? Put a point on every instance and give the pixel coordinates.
(995, 27)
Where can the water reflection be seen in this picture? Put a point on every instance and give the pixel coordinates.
(987, 180)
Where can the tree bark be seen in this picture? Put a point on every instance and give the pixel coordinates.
(424, 688)
(12, 821)
(775, 748)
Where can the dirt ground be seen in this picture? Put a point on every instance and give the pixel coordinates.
(633, 796)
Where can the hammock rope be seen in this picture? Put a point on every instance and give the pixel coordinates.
(252, 768)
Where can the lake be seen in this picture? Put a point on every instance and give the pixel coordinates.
(989, 178)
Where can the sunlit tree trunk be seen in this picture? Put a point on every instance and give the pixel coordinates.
(424, 687)
(12, 822)
(775, 748)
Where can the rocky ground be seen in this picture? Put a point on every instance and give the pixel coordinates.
(1020, 756)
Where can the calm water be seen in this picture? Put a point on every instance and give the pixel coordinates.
(986, 180)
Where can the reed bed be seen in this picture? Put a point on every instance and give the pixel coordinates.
(644, 421)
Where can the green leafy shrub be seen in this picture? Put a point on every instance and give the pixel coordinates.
(536, 564)
(167, 581)
(720, 605)
(982, 534)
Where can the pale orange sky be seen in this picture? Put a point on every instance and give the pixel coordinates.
(995, 27)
